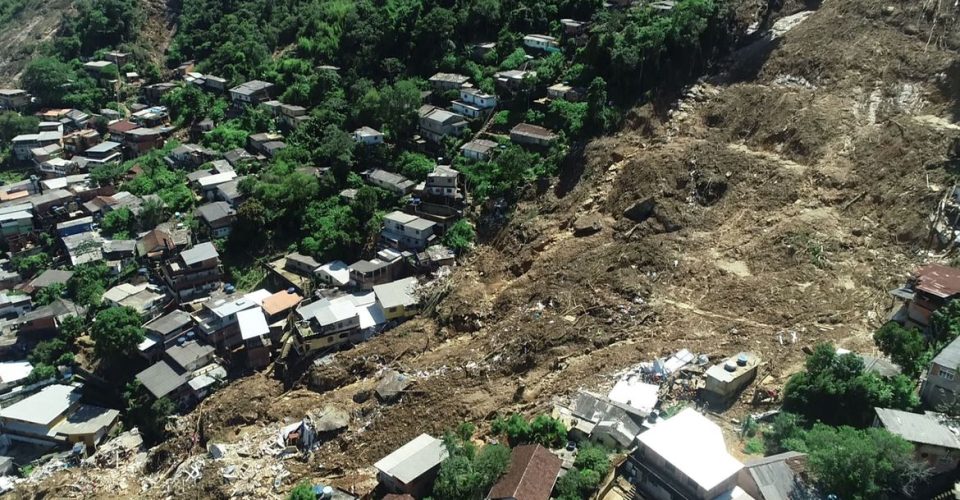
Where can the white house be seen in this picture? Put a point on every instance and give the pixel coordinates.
(368, 136)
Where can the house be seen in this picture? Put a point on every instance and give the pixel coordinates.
(13, 373)
(259, 142)
(291, 115)
(301, 264)
(14, 306)
(58, 167)
(230, 192)
(218, 320)
(50, 277)
(255, 333)
(368, 136)
(162, 380)
(46, 320)
(684, 457)
(101, 70)
(238, 157)
(532, 473)
(164, 332)
(478, 149)
(443, 183)
(935, 443)
(514, 79)
(144, 298)
(448, 81)
(565, 92)
(215, 83)
(777, 477)
(726, 380)
(56, 415)
(117, 57)
(412, 468)
(217, 218)
(163, 240)
(75, 226)
(16, 223)
(195, 273)
(215, 167)
(154, 92)
(141, 140)
(103, 153)
(83, 248)
(14, 99)
(23, 144)
(335, 273)
(327, 324)
(251, 93)
(573, 27)
(474, 103)
(534, 135)
(942, 382)
(594, 417)
(480, 51)
(388, 266)
(277, 306)
(545, 43)
(207, 185)
(398, 299)
(390, 181)
(437, 123)
(154, 116)
(190, 356)
(929, 288)
(405, 231)
(190, 155)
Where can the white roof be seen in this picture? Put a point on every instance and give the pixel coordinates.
(258, 296)
(397, 293)
(216, 179)
(369, 310)
(337, 270)
(45, 406)
(693, 445)
(413, 459)
(224, 308)
(338, 309)
(148, 342)
(12, 371)
(252, 323)
(122, 291)
(633, 392)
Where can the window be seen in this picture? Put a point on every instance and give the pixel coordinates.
(946, 374)
(392, 309)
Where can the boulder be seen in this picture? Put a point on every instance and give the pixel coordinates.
(588, 224)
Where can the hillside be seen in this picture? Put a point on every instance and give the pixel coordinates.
(27, 24)
(786, 193)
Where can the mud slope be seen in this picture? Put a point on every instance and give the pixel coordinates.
(789, 200)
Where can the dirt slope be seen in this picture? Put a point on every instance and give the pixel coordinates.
(788, 196)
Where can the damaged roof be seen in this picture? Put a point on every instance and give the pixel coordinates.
(531, 476)
(938, 280)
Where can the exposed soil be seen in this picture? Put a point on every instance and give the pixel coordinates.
(791, 202)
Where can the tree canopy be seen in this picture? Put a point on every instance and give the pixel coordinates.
(117, 333)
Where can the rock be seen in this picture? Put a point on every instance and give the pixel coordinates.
(911, 29)
(216, 451)
(641, 210)
(888, 10)
(332, 419)
(588, 224)
(361, 397)
(710, 188)
(391, 386)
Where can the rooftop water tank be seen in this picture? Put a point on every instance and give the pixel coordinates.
(742, 359)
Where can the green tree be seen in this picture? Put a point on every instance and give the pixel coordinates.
(118, 223)
(13, 124)
(147, 413)
(48, 294)
(302, 491)
(415, 166)
(41, 372)
(548, 431)
(467, 474)
(460, 236)
(117, 332)
(28, 265)
(836, 390)
(46, 78)
(88, 283)
(906, 347)
(856, 464)
(945, 323)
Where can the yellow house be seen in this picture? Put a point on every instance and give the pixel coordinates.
(398, 299)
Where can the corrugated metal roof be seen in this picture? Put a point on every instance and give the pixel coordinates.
(918, 428)
(199, 253)
(413, 459)
(45, 406)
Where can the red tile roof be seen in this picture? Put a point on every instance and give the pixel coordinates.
(531, 476)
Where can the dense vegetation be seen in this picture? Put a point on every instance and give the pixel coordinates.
(836, 390)
(468, 473)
